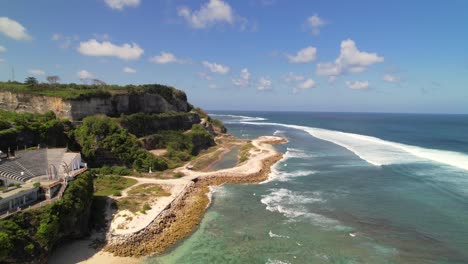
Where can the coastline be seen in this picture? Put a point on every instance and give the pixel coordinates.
(185, 212)
(176, 219)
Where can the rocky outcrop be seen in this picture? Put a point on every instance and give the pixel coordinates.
(77, 109)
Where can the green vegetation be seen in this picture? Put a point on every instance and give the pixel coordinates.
(244, 152)
(104, 133)
(31, 129)
(206, 160)
(83, 91)
(139, 196)
(142, 124)
(107, 185)
(215, 122)
(181, 146)
(30, 235)
(178, 175)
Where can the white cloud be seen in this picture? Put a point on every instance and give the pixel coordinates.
(391, 78)
(84, 74)
(166, 57)
(307, 84)
(264, 84)
(292, 77)
(328, 69)
(304, 55)
(120, 4)
(36, 72)
(126, 52)
(216, 68)
(244, 79)
(215, 11)
(2, 49)
(351, 59)
(357, 85)
(2, 60)
(13, 29)
(351, 56)
(315, 23)
(213, 86)
(129, 70)
(205, 76)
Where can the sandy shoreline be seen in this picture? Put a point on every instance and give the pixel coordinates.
(176, 217)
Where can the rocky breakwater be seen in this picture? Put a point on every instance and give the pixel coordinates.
(180, 218)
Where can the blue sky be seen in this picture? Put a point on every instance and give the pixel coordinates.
(360, 56)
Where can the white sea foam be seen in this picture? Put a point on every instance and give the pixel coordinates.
(298, 153)
(381, 152)
(277, 174)
(273, 235)
(278, 132)
(239, 118)
(291, 205)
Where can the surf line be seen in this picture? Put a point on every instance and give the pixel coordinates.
(377, 151)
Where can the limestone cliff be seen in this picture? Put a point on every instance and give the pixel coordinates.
(77, 109)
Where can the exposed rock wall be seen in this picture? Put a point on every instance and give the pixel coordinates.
(77, 109)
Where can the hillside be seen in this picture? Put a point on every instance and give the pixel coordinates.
(75, 102)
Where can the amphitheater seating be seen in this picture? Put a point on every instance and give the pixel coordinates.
(32, 163)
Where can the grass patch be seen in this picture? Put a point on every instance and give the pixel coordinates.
(111, 185)
(204, 161)
(140, 196)
(178, 175)
(244, 152)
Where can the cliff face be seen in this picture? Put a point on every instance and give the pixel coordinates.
(77, 109)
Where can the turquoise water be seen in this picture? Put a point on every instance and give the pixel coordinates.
(351, 188)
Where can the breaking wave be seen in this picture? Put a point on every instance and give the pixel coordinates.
(381, 152)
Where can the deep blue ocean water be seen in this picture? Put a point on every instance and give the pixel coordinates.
(351, 188)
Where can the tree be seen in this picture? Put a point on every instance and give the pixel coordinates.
(31, 81)
(53, 79)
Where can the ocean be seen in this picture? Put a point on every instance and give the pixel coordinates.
(351, 188)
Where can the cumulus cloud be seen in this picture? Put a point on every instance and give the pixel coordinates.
(165, 58)
(126, 51)
(2, 49)
(84, 74)
(357, 85)
(304, 55)
(391, 78)
(13, 29)
(205, 76)
(121, 4)
(264, 84)
(351, 59)
(128, 70)
(244, 79)
(351, 56)
(315, 23)
(215, 11)
(36, 72)
(292, 77)
(307, 84)
(215, 67)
